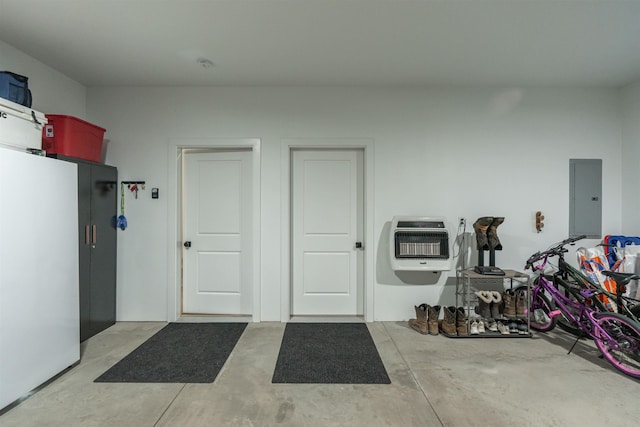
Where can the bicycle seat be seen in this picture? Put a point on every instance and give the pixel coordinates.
(621, 278)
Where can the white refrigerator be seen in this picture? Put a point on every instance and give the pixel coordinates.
(39, 301)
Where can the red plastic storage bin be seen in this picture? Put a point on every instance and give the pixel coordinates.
(70, 136)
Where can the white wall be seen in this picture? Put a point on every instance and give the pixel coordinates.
(455, 153)
(53, 92)
(630, 97)
(444, 152)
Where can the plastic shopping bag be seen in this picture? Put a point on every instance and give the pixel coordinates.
(593, 262)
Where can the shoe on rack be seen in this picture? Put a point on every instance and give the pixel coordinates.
(503, 328)
(513, 327)
(491, 325)
(509, 299)
(521, 303)
(481, 329)
(448, 324)
(483, 309)
(496, 300)
(522, 329)
(474, 328)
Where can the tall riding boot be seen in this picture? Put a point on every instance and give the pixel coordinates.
(432, 319)
(492, 235)
(420, 322)
(480, 227)
(448, 325)
(461, 322)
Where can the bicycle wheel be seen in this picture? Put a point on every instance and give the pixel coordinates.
(619, 342)
(540, 307)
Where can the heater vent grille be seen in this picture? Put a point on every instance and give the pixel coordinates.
(421, 245)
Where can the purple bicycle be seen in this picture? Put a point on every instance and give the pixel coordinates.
(616, 336)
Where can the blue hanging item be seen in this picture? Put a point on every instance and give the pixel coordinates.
(122, 220)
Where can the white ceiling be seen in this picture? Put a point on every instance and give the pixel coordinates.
(591, 43)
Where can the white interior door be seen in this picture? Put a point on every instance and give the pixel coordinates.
(217, 214)
(327, 221)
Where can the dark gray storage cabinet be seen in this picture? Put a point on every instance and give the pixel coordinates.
(97, 208)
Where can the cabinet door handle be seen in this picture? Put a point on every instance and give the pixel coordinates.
(87, 232)
(94, 234)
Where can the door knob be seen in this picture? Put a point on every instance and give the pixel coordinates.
(358, 245)
(187, 244)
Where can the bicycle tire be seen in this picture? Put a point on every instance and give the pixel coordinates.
(623, 350)
(538, 312)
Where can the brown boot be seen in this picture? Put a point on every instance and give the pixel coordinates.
(448, 325)
(492, 235)
(509, 303)
(521, 303)
(480, 227)
(461, 322)
(432, 321)
(420, 323)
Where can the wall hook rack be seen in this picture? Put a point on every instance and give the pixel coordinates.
(130, 183)
(133, 185)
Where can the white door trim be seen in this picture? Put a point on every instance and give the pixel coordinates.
(289, 144)
(174, 220)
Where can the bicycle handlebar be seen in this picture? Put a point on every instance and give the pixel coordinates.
(556, 250)
(570, 240)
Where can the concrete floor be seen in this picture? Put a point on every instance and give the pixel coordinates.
(436, 381)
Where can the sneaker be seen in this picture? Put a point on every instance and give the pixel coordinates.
(481, 329)
(504, 329)
(474, 328)
(522, 329)
(513, 328)
(492, 325)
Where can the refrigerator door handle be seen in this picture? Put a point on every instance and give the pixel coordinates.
(87, 233)
(94, 234)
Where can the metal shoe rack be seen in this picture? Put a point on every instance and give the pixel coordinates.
(468, 281)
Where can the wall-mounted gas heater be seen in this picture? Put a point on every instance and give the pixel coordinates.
(419, 244)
